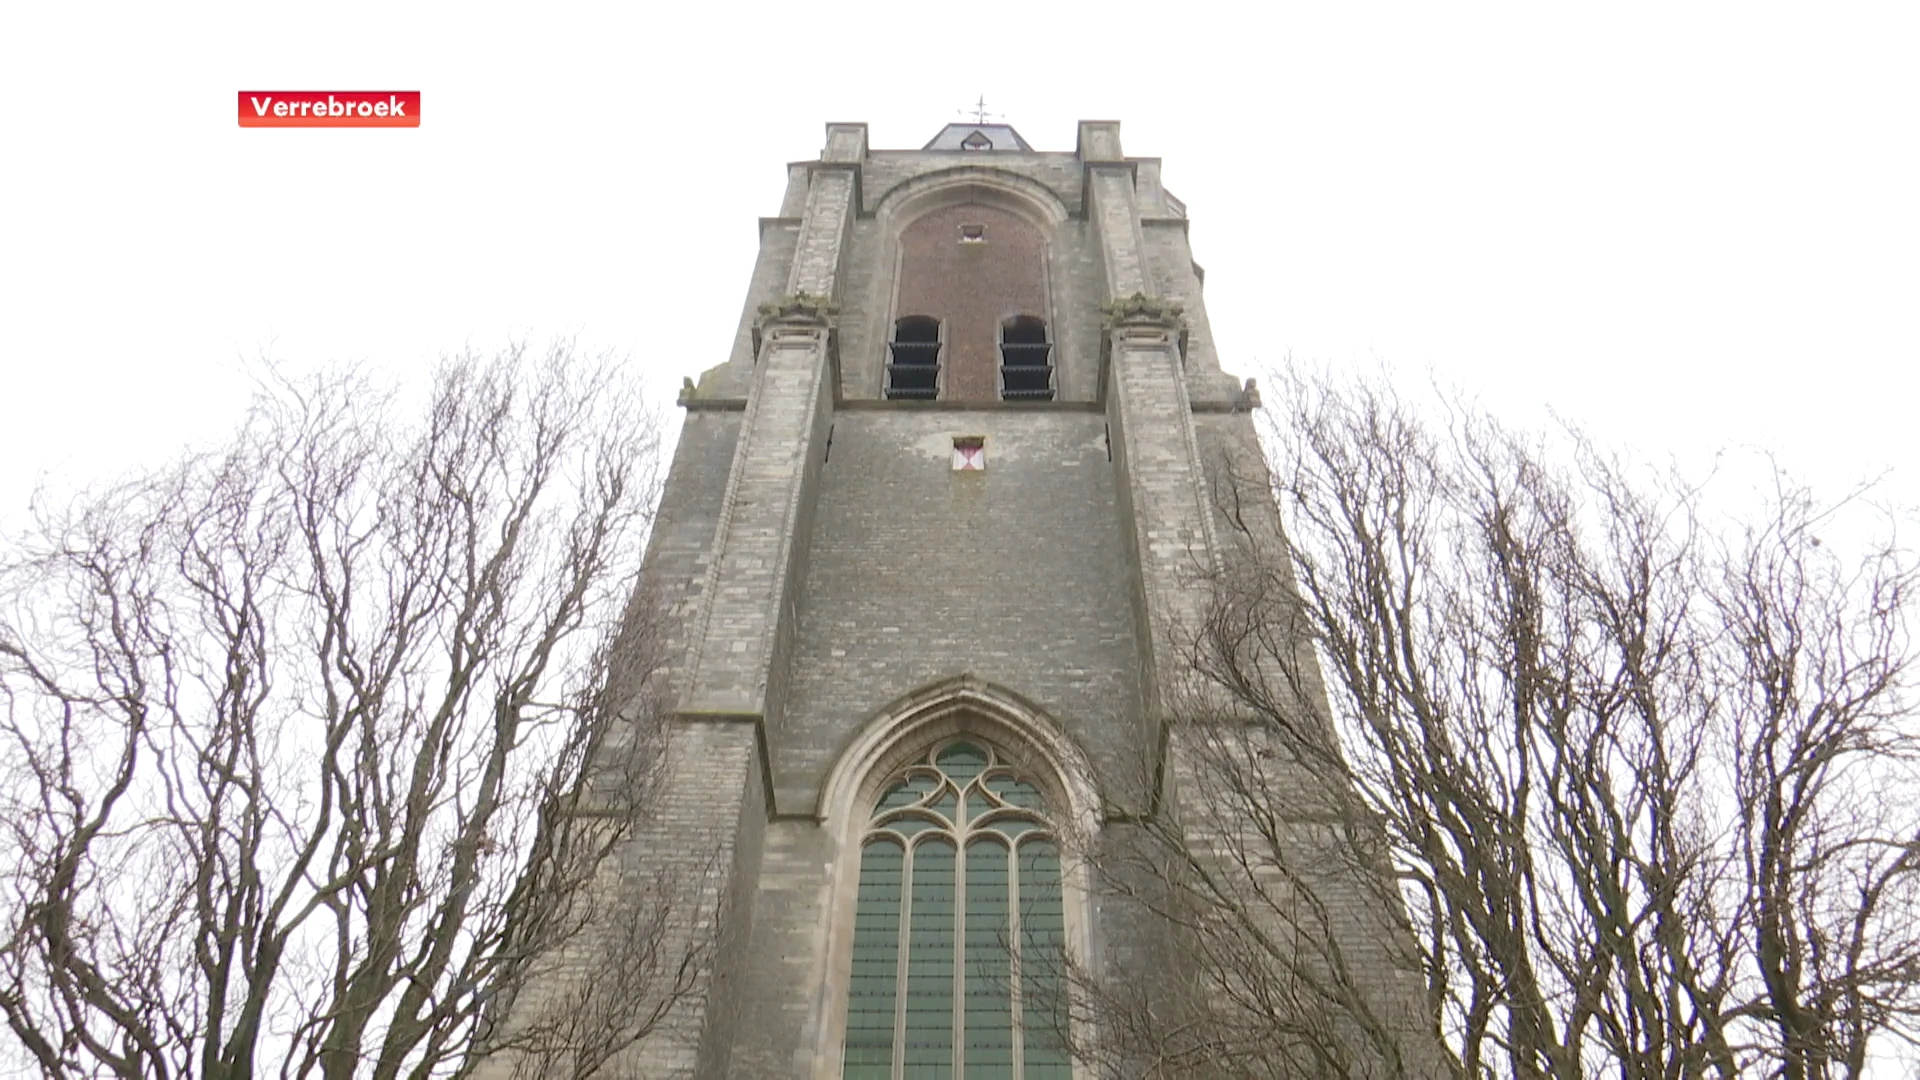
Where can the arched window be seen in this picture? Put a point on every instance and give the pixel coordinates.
(1026, 360)
(914, 370)
(958, 928)
(970, 264)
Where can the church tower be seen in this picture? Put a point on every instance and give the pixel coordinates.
(926, 542)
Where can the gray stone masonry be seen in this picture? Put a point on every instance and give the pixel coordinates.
(823, 561)
(1017, 575)
(759, 534)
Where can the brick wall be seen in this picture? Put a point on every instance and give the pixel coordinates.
(972, 288)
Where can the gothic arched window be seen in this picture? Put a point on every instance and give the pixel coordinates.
(959, 927)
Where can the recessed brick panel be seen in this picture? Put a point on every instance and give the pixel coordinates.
(971, 288)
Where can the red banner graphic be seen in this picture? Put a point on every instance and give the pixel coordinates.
(330, 108)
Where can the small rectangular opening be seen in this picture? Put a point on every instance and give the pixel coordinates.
(969, 453)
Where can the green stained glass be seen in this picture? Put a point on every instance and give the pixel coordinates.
(872, 991)
(1014, 792)
(962, 761)
(909, 824)
(982, 980)
(1024, 796)
(1042, 938)
(989, 974)
(930, 962)
(906, 793)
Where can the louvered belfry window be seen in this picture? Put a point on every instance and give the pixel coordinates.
(958, 928)
(1026, 360)
(913, 373)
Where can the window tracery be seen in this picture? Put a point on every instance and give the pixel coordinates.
(959, 927)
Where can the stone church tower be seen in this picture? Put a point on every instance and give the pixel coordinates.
(925, 535)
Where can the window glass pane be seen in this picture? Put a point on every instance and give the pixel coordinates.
(963, 761)
(1020, 794)
(1042, 938)
(930, 962)
(964, 953)
(908, 824)
(876, 955)
(906, 793)
(989, 1007)
(947, 805)
(1012, 826)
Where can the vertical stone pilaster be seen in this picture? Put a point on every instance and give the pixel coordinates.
(681, 867)
(1113, 207)
(823, 230)
(714, 807)
(1156, 455)
(845, 142)
(1156, 450)
(1117, 218)
(752, 567)
(1353, 920)
(701, 849)
(1099, 140)
(763, 526)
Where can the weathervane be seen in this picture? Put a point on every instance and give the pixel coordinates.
(979, 111)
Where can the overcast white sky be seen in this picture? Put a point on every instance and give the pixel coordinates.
(1683, 225)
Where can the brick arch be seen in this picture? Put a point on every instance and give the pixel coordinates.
(972, 265)
(1011, 191)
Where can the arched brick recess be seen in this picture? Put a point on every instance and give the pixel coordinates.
(971, 287)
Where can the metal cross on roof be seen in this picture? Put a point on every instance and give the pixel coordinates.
(979, 111)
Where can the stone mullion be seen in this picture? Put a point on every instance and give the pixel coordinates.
(906, 956)
(1016, 973)
(960, 938)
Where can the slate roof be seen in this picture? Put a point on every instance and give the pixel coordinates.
(958, 136)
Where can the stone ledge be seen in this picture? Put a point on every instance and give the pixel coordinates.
(869, 404)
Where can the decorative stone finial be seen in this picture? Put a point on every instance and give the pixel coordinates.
(1141, 309)
(807, 306)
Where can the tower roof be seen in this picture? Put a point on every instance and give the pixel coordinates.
(978, 137)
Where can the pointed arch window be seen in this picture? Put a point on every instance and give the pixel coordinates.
(958, 929)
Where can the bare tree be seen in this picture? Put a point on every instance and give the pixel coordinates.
(1507, 761)
(314, 746)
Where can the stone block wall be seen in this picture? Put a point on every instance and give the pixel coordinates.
(1016, 575)
(824, 559)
